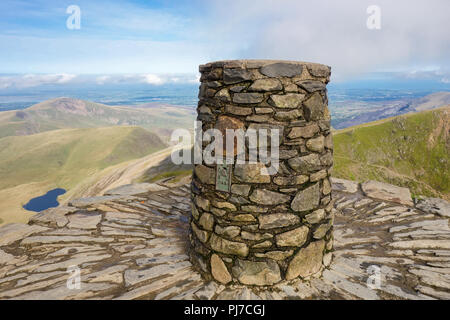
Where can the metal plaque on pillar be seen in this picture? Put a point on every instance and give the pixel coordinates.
(223, 177)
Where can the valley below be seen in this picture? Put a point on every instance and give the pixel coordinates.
(87, 148)
(63, 143)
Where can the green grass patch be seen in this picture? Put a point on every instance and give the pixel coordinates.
(410, 150)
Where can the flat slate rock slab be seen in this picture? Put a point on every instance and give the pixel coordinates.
(344, 185)
(388, 192)
(135, 189)
(16, 231)
(86, 202)
(133, 248)
(435, 205)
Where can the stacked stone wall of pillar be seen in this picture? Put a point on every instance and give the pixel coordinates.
(267, 228)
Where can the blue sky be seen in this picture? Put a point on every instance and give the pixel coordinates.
(160, 41)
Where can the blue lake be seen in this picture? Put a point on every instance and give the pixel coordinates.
(48, 200)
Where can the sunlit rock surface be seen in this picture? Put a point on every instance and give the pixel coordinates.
(134, 246)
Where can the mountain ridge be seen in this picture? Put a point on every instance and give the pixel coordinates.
(115, 167)
(31, 165)
(428, 102)
(61, 113)
(411, 150)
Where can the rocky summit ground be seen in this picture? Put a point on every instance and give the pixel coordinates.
(132, 243)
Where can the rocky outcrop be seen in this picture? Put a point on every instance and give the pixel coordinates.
(434, 205)
(384, 191)
(138, 250)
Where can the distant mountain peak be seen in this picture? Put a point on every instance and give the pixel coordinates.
(64, 104)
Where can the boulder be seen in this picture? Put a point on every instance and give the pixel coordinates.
(240, 111)
(259, 273)
(307, 131)
(306, 164)
(255, 236)
(228, 247)
(240, 189)
(291, 180)
(314, 107)
(282, 69)
(316, 144)
(248, 97)
(312, 85)
(315, 216)
(289, 115)
(219, 270)
(287, 101)
(224, 205)
(277, 220)
(223, 95)
(266, 85)
(307, 199)
(201, 234)
(320, 232)
(307, 261)
(318, 70)
(344, 185)
(275, 255)
(236, 75)
(319, 175)
(435, 206)
(206, 221)
(205, 174)
(387, 192)
(266, 197)
(230, 231)
(296, 237)
(202, 203)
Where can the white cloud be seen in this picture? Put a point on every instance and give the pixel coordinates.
(152, 79)
(196, 79)
(64, 78)
(147, 78)
(428, 73)
(132, 38)
(34, 80)
(333, 32)
(102, 79)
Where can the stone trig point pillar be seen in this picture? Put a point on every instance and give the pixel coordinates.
(253, 228)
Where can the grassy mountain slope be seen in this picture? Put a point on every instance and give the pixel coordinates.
(411, 150)
(31, 165)
(64, 113)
